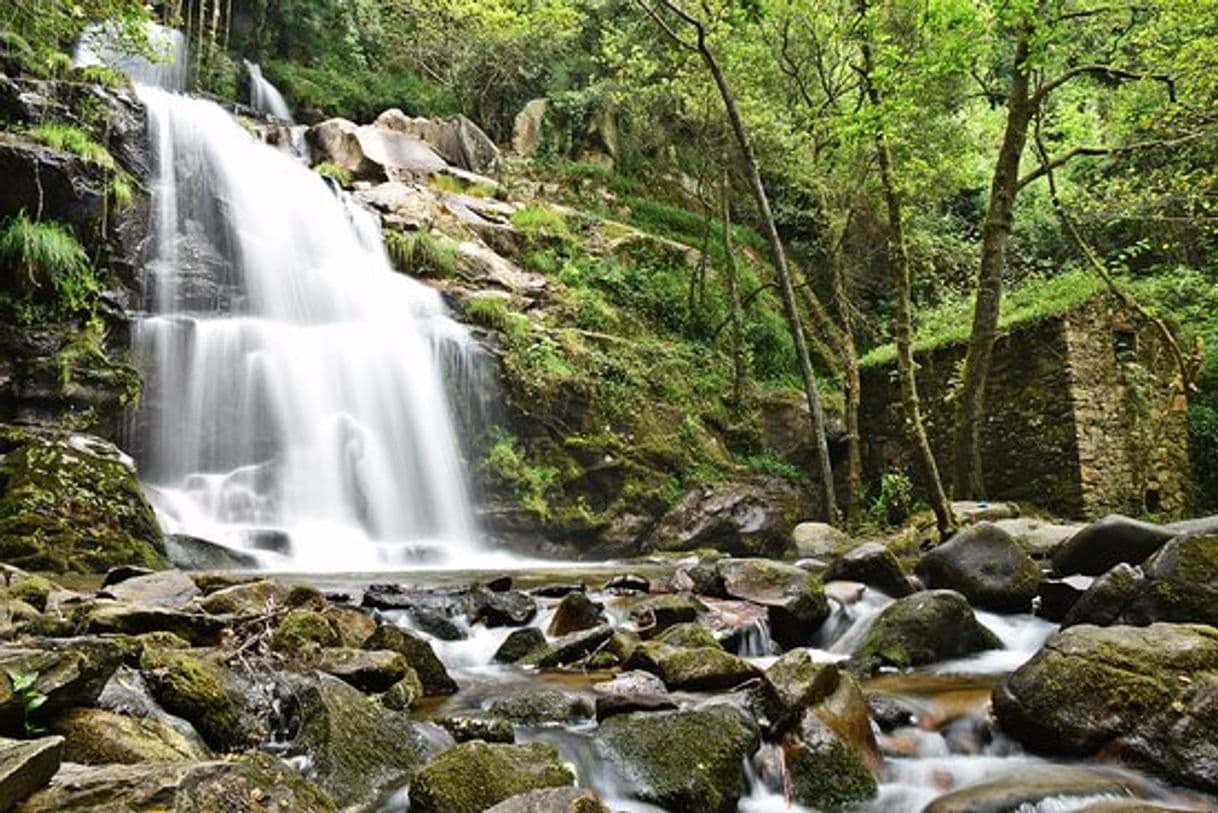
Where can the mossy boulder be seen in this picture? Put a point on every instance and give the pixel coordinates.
(403, 695)
(794, 598)
(705, 669)
(69, 673)
(538, 706)
(924, 628)
(356, 746)
(1108, 542)
(569, 648)
(520, 644)
(1181, 583)
(986, 565)
(791, 685)
(552, 800)
(99, 737)
(826, 773)
(743, 518)
(27, 766)
(873, 564)
(371, 670)
(655, 614)
(473, 776)
(418, 654)
(1148, 695)
(250, 598)
(692, 761)
(137, 619)
(72, 503)
(689, 636)
(1106, 599)
(301, 628)
(576, 612)
(193, 685)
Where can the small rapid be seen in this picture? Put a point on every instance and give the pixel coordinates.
(264, 96)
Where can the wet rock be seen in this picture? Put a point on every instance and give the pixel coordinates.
(403, 695)
(569, 648)
(168, 588)
(825, 772)
(576, 612)
(69, 673)
(539, 706)
(559, 590)
(689, 636)
(986, 565)
(437, 624)
(873, 564)
(474, 776)
(353, 626)
(627, 584)
(1181, 583)
(511, 608)
(26, 766)
(136, 619)
(193, 553)
(99, 737)
(702, 578)
(750, 518)
(1108, 542)
(655, 614)
(793, 684)
(1106, 599)
(519, 645)
(1148, 695)
(818, 540)
(301, 628)
(356, 746)
(794, 598)
(636, 682)
(418, 654)
(372, 671)
(1057, 596)
(254, 783)
(920, 629)
(847, 713)
(203, 692)
(1034, 785)
(127, 693)
(72, 503)
(552, 800)
(464, 728)
(701, 669)
(890, 712)
(968, 734)
(739, 626)
(1038, 537)
(691, 761)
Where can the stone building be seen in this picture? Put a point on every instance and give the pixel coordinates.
(1083, 419)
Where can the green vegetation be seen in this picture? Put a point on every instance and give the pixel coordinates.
(340, 175)
(72, 139)
(24, 685)
(46, 266)
(422, 253)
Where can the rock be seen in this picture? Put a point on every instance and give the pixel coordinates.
(369, 671)
(689, 636)
(701, 669)
(199, 690)
(254, 783)
(793, 597)
(519, 645)
(26, 766)
(1104, 602)
(193, 553)
(701, 578)
(969, 512)
(1033, 785)
(793, 684)
(825, 772)
(488, 729)
(750, 518)
(474, 776)
(740, 627)
(168, 588)
(1057, 596)
(440, 135)
(418, 654)
(356, 746)
(478, 152)
(569, 648)
(819, 540)
(538, 706)
(1038, 537)
(655, 614)
(873, 564)
(986, 565)
(558, 590)
(527, 129)
(353, 626)
(300, 628)
(71, 502)
(373, 153)
(847, 713)
(627, 584)
(251, 598)
(28, 587)
(692, 761)
(511, 608)
(1113, 540)
(403, 695)
(552, 800)
(920, 629)
(575, 612)
(1181, 583)
(98, 737)
(69, 673)
(891, 712)
(127, 694)
(136, 619)
(630, 692)
(437, 624)
(1146, 694)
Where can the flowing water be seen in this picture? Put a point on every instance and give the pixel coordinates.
(264, 96)
(166, 66)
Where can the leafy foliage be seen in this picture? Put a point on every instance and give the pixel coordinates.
(45, 263)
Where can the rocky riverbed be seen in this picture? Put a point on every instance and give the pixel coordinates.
(699, 683)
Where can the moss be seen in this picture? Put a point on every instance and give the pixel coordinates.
(689, 636)
(186, 684)
(921, 629)
(828, 775)
(300, 628)
(72, 504)
(476, 775)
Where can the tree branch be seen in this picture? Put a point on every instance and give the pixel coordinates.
(1110, 72)
(1048, 165)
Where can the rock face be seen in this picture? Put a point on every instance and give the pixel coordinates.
(691, 761)
(926, 627)
(1146, 694)
(474, 776)
(752, 518)
(872, 564)
(1108, 542)
(458, 140)
(794, 599)
(72, 503)
(986, 565)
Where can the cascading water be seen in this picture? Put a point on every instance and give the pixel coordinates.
(294, 381)
(264, 96)
(167, 68)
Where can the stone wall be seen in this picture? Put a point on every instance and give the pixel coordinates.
(1078, 418)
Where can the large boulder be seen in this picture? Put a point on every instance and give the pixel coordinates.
(67, 673)
(372, 152)
(924, 628)
(1036, 788)
(655, 614)
(197, 687)
(986, 565)
(819, 540)
(26, 766)
(72, 503)
(199, 629)
(873, 564)
(1104, 602)
(355, 746)
(749, 518)
(576, 612)
(569, 648)
(793, 598)
(369, 670)
(792, 684)
(826, 772)
(1146, 694)
(539, 706)
(701, 669)
(692, 761)
(473, 776)
(418, 654)
(99, 737)
(527, 129)
(1181, 583)
(1110, 541)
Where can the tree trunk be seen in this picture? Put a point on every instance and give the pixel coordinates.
(739, 368)
(852, 383)
(968, 479)
(898, 259)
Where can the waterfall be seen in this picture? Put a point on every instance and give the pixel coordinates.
(264, 96)
(295, 397)
(103, 44)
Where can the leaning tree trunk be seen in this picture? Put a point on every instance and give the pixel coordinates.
(968, 480)
(898, 259)
(739, 368)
